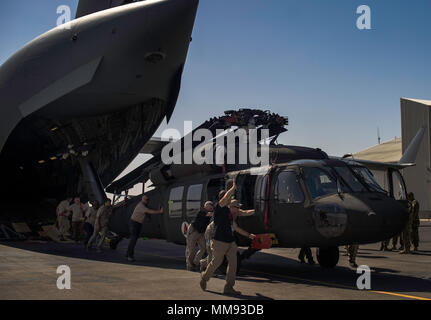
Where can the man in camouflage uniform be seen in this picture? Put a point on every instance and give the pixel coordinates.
(101, 225)
(195, 236)
(384, 245)
(209, 235)
(63, 213)
(352, 251)
(415, 223)
(411, 231)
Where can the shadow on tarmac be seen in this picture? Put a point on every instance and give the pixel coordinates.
(258, 296)
(261, 268)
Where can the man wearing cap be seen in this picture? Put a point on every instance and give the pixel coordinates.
(136, 222)
(77, 219)
(196, 236)
(224, 244)
(63, 212)
(209, 234)
(90, 220)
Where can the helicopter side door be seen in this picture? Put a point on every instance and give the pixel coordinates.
(213, 187)
(194, 201)
(174, 216)
(290, 220)
(398, 187)
(246, 193)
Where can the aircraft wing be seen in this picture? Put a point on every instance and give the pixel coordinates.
(138, 175)
(141, 174)
(154, 146)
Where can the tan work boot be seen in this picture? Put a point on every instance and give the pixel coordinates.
(230, 290)
(202, 267)
(404, 251)
(203, 283)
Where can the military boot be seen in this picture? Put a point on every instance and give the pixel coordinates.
(203, 283)
(230, 290)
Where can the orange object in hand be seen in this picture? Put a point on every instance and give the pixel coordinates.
(262, 241)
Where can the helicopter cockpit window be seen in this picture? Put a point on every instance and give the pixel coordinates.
(194, 194)
(319, 182)
(367, 177)
(399, 189)
(176, 202)
(351, 180)
(288, 189)
(381, 177)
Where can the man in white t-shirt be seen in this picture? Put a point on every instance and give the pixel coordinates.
(63, 212)
(77, 218)
(90, 220)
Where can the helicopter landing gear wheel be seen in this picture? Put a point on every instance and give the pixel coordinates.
(328, 257)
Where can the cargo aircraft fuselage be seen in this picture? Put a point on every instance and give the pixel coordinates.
(81, 100)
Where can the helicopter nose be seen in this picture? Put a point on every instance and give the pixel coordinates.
(374, 217)
(359, 218)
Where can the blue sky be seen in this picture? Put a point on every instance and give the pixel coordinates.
(301, 58)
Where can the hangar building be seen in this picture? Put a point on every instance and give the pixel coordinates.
(414, 115)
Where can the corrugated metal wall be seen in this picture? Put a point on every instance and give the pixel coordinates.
(413, 116)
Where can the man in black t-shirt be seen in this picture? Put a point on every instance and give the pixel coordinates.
(195, 236)
(224, 244)
(209, 234)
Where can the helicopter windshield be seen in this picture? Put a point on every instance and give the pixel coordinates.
(367, 177)
(328, 180)
(319, 181)
(351, 180)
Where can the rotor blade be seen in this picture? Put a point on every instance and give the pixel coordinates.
(376, 165)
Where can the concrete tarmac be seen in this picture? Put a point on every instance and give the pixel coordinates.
(28, 271)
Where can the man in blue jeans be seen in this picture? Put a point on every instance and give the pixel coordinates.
(135, 225)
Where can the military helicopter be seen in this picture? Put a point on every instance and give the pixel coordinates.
(302, 198)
